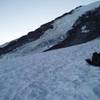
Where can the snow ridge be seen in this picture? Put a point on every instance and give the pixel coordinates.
(48, 37)
(58, 33)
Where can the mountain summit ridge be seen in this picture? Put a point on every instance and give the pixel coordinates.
(62, 32)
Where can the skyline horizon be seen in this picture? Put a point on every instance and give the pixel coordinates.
(15, 30)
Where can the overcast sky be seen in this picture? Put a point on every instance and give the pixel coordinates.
(18, 17)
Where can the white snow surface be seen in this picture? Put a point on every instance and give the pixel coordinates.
(55, 75)
(53, 36)
(84, 29)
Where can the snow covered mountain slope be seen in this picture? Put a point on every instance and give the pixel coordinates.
(55, 75)
(86, 28)
(62, 32)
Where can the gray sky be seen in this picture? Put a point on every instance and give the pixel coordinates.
(18, 17)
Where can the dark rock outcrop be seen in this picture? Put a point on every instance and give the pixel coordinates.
(31, 36)
(95, 59)
(86, 28)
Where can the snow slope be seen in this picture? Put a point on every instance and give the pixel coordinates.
(58, 33)
(56, 75)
